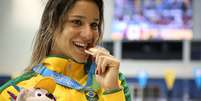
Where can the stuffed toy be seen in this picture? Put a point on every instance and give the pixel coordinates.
(42, 91)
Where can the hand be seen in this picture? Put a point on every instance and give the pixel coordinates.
(107, 69)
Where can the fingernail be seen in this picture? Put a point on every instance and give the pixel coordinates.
(96, 72)
(100, 71)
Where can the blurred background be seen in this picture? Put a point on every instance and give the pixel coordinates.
(157, 41)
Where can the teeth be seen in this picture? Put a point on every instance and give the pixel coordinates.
(81, 44)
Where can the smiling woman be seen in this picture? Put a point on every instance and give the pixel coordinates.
(66, 50)
(80, 31)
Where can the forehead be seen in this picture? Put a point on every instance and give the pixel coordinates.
(86, 8)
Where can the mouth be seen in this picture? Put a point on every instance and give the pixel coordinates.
(82, 46)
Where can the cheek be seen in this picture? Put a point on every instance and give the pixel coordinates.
(62, 40)
(98, 38)
(63, 43)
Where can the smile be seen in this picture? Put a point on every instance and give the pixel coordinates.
(81, 45)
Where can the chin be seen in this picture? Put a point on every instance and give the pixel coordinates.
(82, 60)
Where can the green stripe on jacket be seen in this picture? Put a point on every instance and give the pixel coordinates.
(124, 84)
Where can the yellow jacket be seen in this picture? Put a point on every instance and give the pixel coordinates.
(76, 72)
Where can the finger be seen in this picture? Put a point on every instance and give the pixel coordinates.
(93, 51)
(101, 53)
(98, 62)
(98, 54)
(104, 64)
(96, 50)
(103, 50)
(89, 52)
(96, 58)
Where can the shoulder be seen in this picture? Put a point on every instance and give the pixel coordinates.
(26, 80)
(15, 81)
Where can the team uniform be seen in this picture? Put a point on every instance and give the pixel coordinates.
(75, 82)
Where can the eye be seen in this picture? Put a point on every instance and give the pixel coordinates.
(94, 26)
(76, 22)
(38, 93)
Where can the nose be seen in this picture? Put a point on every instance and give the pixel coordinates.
(87, 33)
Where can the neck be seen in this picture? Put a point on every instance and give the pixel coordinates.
(60, 54)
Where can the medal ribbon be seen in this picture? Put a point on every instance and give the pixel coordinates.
(65, 80)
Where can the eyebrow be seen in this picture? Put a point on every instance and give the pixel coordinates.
(82, 17)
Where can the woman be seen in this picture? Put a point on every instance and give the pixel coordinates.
(66, 49)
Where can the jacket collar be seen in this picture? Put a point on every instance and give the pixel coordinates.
(65, 66)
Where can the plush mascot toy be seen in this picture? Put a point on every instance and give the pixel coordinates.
(42, 91)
